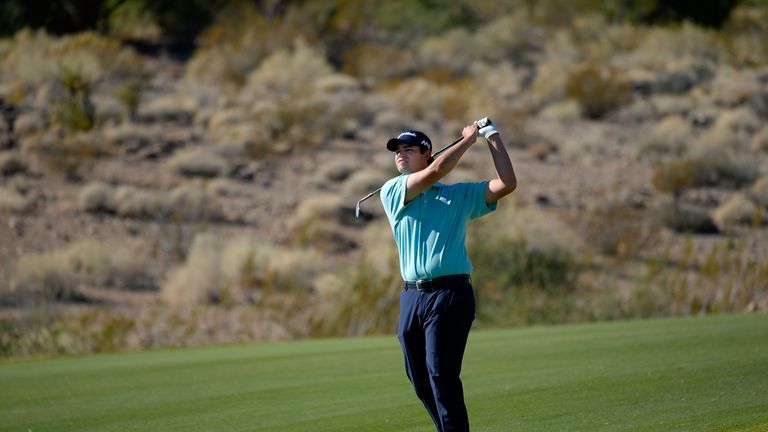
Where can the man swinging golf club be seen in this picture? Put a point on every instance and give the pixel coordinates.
(429, 219)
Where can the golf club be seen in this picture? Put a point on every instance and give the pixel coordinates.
(483, 122)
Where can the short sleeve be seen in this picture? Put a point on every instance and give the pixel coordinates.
(392, 195)
(475, 200)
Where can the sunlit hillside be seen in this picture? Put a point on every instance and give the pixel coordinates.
(169, 181)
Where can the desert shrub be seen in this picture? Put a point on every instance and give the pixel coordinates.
(737, 210)
(364, 181)
(129, 94)
(299, 103)
(190, 202)
(35, 57)
(58, 274)
(670, 136)
(675, 176)
(12, 201)
(76, 111)
(709, 169)
(198, 163)
(171, 108)
(193, 202)
(615, 227)
(30, 122)
(661, 45)
(97, 198)
(336, 171)
(668, 105)
(222, 271)
(452, 51)
(287, 73)
(70, 155)
(233, 46)
(139, 203)
(361, 300)
(742, 122)
(76, 64)
(507, 263)
(759, 141)
(735, 87)
(566, 111)
(373, 63)
(684, 218)
(598, 90)
(513, 275)
(743, 30)
(84, 262)
(316, 223)
(724, 277)
(759, 191)
(198, 280)
(497, 91)
(561, 57)
(720, 165)
(419, 98)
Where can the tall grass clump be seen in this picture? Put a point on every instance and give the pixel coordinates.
(292, 99)
(218, 271)
(725, 277)
(59, 275)
(61, 74)
(598, 90)
(360, 300)
(521, 279)
(233, 46)
(70, 155)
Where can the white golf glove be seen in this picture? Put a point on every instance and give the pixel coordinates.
(487, 128)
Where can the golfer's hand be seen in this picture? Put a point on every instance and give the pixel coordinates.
(488, 129)
(470, 133)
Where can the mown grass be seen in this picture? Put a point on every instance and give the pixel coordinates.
(681, 374)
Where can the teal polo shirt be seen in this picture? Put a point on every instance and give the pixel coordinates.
(431, 230)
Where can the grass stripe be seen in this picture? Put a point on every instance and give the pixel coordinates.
(682, 374)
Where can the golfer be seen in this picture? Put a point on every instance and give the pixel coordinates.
(429, 221)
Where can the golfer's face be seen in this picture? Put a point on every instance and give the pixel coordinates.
(409, 159)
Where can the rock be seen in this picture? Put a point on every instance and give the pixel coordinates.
(543, 200)
(245, 172)
(673, 82)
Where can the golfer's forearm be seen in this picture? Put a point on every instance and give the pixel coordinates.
(505, 173)
(447, 161)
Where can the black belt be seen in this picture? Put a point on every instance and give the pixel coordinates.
(442, 282)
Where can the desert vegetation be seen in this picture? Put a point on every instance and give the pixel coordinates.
(176, 177)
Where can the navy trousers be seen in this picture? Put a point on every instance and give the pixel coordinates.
(433, 332)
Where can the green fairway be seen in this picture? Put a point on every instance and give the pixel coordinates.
(691, 374)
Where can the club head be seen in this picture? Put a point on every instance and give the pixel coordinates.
(357, 210)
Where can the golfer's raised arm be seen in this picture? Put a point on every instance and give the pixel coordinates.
(420, 181)
(505, 181)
